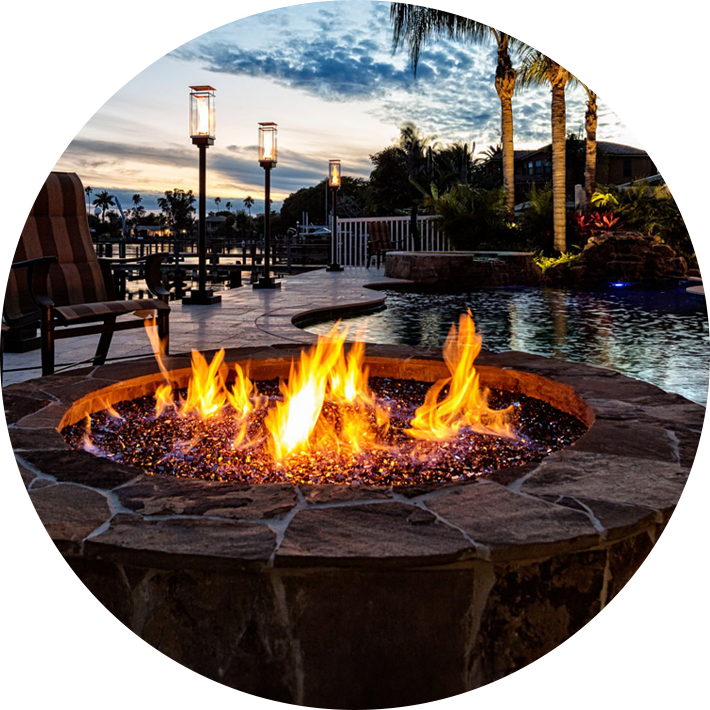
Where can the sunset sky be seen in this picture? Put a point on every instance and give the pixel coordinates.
(325, 72)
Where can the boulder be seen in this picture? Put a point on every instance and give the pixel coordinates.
(620, 256)
(454, 271)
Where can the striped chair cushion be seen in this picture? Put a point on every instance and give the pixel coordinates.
(57, 226)
(95, 311)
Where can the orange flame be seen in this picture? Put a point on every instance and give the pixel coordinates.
(86, 443)
(207, 393)
(465, 403)
(325, 375)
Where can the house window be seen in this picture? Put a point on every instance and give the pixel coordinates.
(538, 167)
(627, 167)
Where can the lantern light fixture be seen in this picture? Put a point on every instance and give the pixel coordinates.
(334, 174)
(268, 154)
(202, 114)
(268, 149)
(202, 132)
(334, 181)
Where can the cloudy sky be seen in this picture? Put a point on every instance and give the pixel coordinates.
(325, 72)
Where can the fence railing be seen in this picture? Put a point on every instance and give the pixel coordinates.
(352, 236)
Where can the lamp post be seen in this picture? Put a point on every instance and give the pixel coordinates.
(268, 154)
(202, 132)
(334, 182)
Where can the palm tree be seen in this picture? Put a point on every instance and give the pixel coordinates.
(539, 69)
(88, 190)
(417, 153)
(217, 201)
(248, 203)
(138, 212)
(104, 201)
(228, 206)
(416, 26)
(590, 163)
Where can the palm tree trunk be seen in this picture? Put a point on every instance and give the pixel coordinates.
(506, 110)
(505, 86)
(590, 164)
(559, 167)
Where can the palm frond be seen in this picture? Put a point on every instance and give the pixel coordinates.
(536, 69)
(415, 27)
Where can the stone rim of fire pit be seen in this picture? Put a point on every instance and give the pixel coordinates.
(624, 476)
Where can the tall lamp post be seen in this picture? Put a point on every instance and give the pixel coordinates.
(268, 154)
(334, 181)
(202, 132)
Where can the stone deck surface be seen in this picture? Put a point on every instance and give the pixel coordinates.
(245, 317)
(698, 291)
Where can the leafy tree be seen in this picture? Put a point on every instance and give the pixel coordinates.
(471, 217)
(390, 190)
(417, 159)
(537, 220)
(453, 165)
(178, 206)
(352, 201)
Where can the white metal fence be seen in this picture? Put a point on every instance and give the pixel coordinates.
(352, 236)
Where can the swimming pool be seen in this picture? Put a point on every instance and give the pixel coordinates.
(657, 336)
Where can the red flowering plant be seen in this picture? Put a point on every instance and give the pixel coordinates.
(591, 223)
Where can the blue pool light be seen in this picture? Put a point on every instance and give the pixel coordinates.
(620, 284)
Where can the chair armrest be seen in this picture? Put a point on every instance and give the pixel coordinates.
(153, 277)
(118, 261)
(37, 273)
(31, 263)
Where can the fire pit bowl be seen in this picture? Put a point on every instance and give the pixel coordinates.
(355, 595)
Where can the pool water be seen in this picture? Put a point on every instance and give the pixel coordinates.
(657, 336)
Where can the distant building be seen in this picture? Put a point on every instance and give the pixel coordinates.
(616, 164)
(213, 223)
(153, 231)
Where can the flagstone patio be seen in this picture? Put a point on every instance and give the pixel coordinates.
(245, 317)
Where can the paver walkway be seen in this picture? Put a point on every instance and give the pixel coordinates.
(245, 317)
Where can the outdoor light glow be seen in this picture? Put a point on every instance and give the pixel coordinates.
(334, 173)
(202, 114)
(268, 150)
(619, 284)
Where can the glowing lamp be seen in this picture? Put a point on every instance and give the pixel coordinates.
(268, 151)
(202, 115)
(334, 174)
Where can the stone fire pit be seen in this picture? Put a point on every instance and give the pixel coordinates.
(343, 596)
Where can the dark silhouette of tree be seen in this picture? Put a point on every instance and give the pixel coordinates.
(178, 206)
(104, 202)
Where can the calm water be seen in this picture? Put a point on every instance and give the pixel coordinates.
(657, 336)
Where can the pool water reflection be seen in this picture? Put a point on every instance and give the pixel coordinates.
(657, 336)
